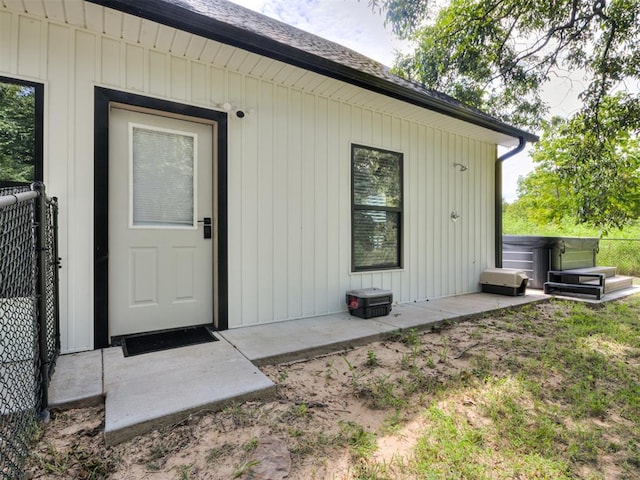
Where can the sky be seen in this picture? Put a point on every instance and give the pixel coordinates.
(353, 24)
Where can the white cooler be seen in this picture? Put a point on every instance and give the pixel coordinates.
(504, 281)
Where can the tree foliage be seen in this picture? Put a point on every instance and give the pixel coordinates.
(498, 54)
(17, 133)
(591, 175)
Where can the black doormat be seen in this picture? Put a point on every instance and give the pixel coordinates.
(165, 340)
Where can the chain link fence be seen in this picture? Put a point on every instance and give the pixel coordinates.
(29, 323)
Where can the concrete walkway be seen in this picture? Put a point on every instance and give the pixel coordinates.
(306, 338)
(144, 392)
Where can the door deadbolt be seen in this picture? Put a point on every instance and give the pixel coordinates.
(207, 226)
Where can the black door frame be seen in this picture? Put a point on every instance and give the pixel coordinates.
(102, 100)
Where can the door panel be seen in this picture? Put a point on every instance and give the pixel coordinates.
(160, 185)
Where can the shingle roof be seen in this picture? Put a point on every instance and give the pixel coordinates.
(229, 23)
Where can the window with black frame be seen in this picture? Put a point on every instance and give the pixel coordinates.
(20, 132)
(376, 209)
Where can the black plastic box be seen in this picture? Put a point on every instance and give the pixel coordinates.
(369, 302)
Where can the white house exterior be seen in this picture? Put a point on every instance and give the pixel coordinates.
(280, 184)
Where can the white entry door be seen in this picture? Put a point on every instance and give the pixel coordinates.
(160, 191)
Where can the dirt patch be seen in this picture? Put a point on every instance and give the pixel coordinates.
(324, 409)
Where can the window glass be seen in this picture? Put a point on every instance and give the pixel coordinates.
(375, 237)
(19, 152)
(163, 170)
(376, 208)
(376, 177)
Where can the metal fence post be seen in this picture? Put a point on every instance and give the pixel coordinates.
(41, 255)
(57, 265)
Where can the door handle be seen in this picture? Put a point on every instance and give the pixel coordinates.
(206, 221)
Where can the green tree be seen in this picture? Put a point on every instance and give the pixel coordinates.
(592, 175)
(595, 171)
(544, 196)
(17, 133)
(497, 54)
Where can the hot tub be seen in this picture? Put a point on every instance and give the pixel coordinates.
(537, 255)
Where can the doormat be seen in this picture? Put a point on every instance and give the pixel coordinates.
(158, 341)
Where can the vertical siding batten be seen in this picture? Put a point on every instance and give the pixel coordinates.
(235, 212)
(321, 189)
(335, 155)
(344, 196)
(81, 169)
(461, 205)
(7, 54)
(308, 195)
(418, 191)
(157, 84)
(396, 143)
(179, 85)
(249, 199)
(468, 205)
(280, 203)
(134, 69)
(57, 97)
(453, 254)
(294, 276)
(410, 218)
(265, 168)
(441, 215)
(200, 84)
(429, 239)
(30, 42)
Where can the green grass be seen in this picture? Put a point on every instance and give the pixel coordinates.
(361, 442)
(87, 464)
(562, 401)
(623, 253)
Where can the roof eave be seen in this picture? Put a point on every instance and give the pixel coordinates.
(176, 16)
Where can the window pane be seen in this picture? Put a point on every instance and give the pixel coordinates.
(163, 170)
(376, 178)
(17, 133)
(375, 239)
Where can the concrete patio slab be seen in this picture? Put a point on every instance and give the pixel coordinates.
(300, 339)
(147, 391)
(418, 315)
(422, 315)
(478, 303)
(77, 380)
(305, 338)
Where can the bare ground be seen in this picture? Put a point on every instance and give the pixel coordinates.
(308, 430)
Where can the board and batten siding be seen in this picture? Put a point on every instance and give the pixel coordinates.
(288, 168)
